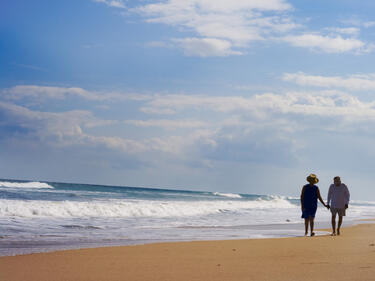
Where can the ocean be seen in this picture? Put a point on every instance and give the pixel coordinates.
(49, 216)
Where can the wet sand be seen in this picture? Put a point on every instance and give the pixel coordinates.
(350, 256)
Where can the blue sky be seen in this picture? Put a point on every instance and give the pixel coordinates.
(242, 96)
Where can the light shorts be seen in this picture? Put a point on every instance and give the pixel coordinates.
(340, 211)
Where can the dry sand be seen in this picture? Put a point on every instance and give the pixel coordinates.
(350, 256)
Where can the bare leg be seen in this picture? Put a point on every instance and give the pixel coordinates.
(339, 225)
(312, 226)
(333, 224)
(306, 226)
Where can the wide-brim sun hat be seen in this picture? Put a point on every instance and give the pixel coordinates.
(312, 178)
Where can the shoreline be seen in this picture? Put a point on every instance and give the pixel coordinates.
(293, 230)
(322, 228)
(350, 256)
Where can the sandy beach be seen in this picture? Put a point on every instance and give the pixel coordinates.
(350, 256)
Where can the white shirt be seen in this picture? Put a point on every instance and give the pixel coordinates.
(338, 196)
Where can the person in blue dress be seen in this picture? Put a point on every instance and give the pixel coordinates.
(309, 202)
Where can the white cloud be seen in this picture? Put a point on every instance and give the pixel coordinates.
(61, 129)
(163, 10)
(369, 24)
(175, 103)
(328, 44)
(112, 3)
(263, 127)
(44, 125)
(239, 23)
(344, 30)
(224, 28)
(37, 92)
(69, 129)
(264, 106)
(220, 25)
(364, 82)
(258, 108)
(218, 128)
(355, 21)
(205, 47)
(155, 110)
(34, 91)
(167, 123)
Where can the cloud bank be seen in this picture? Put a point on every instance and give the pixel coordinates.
(224, 28)
(359, 82)
(219, 127)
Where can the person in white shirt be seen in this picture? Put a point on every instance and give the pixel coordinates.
(338, 201)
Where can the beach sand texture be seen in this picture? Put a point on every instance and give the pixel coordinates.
(350, 256)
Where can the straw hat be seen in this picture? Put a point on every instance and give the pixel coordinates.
(312, 178)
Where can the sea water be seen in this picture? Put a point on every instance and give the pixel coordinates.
(47, 216)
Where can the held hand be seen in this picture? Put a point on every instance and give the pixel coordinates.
(328, 207)
(346, 206)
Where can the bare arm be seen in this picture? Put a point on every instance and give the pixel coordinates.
(320, 199)
(302, 196)
(347, 197)
(347, 194)
(329, 195)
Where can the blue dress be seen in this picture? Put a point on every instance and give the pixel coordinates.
(310, 201)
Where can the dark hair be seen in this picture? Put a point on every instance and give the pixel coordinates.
(336, 178)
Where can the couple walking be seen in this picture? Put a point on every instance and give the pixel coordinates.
(338, 197)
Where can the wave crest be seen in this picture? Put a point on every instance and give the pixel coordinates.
(230, 195)
(33, 184)
(133, 208)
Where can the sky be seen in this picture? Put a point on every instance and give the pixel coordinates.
(245, 96)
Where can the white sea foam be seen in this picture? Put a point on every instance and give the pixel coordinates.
(132, 208)
(361, 202)
(230, 195)
(79, 216)
(35, 184)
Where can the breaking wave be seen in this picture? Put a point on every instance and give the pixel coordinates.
(34, 184)
(229, 195)
(133, 208)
